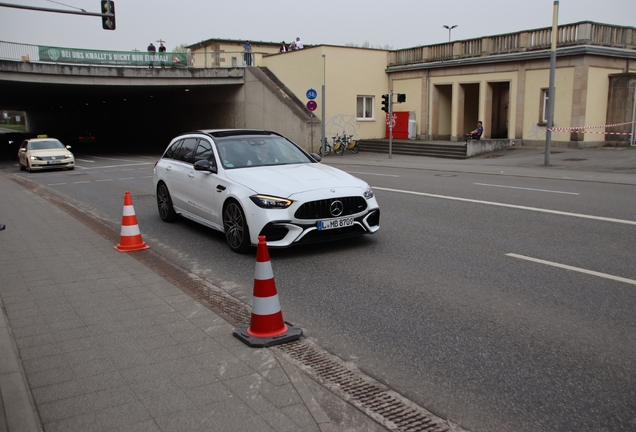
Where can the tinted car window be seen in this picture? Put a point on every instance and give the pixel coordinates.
(241, 151)
(204, 151)
(187, 150)
(174, 149)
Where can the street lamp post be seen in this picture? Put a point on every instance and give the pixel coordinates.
(450, 28)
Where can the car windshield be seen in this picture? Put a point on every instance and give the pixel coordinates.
(45, 145)
(246, 151)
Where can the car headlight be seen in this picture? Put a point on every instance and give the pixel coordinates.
(35, 158)
(269, 202)
(368, 194)
(68, 156)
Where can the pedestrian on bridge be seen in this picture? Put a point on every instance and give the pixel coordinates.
(247, 55)
(152, 50)
(162, 49)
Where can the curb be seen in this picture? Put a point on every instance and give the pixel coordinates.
(18, 407)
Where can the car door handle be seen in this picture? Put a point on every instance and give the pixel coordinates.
(191, 174)
(220, 188)
(168, 168)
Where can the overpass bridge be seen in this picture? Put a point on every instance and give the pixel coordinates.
(134, 104)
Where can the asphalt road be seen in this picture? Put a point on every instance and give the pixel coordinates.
(462, 302)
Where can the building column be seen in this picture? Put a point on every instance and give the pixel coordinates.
(485, 107)
(579, 99)
(456, 112)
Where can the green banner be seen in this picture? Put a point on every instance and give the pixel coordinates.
(120, 58)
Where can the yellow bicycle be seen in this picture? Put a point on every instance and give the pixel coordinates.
(343, 143)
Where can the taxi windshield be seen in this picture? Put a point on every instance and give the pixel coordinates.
(45, 145)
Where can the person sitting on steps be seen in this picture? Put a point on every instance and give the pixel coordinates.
(475, 134)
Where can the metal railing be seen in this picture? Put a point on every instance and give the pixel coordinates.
(582, 33)
(18, 52)
(87, 57)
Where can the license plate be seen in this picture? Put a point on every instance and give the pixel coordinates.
(53, 162)
(335, 223)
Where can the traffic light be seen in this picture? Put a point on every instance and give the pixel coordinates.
(401, 97)
(108, 22)
(385, 102)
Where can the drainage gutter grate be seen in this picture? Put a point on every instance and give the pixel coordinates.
(385, 406)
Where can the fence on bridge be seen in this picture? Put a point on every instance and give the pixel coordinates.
(88, 57)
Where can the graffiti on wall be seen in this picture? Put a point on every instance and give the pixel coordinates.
(342, 123)
(537, 132)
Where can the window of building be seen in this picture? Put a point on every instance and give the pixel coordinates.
(364, 107)
(543, 115)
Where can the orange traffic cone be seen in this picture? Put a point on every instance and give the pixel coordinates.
(267, 326)
(130, 238)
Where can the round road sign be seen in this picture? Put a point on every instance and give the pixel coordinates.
(312, 105)
(311, 94)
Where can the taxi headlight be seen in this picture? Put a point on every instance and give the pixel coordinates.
(35, 157)
(269, 202)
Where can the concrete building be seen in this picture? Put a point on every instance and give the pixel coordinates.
(501, 80)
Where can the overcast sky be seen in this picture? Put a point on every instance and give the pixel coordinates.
(406, 23)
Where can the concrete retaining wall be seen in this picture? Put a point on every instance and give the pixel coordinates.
(476, 147)
(269, 104)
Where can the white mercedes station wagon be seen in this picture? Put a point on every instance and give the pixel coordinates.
(251, 183)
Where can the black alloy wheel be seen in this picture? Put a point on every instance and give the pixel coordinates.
(237, 233)
(164, 204)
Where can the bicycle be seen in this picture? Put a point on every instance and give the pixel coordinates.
(326, 148)
(345, 143)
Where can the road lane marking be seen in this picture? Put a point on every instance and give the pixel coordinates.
(83, 181)
(100, 180)
(126, 165)
(146, 177)
(577, 269)
(556, 212)
(375, 174)
(113, 159)
(128, 178)
(85, 160)
(55, 184)
(530, 189)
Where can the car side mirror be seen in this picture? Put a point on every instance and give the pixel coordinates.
(316, 156)
(68, 146)
(23, 149)
(204, 165)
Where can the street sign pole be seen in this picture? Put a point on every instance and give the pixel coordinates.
(551, 95)
(322, 119)
(390, 124)
(311, 106)
(631, 139)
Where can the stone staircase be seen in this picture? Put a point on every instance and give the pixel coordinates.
(440, 149)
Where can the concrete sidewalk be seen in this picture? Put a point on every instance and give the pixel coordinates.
(93, 340)
(603, 164)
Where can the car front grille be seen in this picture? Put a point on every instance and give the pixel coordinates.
(322, 209)
(329, 235)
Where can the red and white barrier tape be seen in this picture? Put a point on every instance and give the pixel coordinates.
(606, 133)
(580, 128)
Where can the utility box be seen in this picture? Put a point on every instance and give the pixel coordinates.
(412, 129)
(401, 126)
